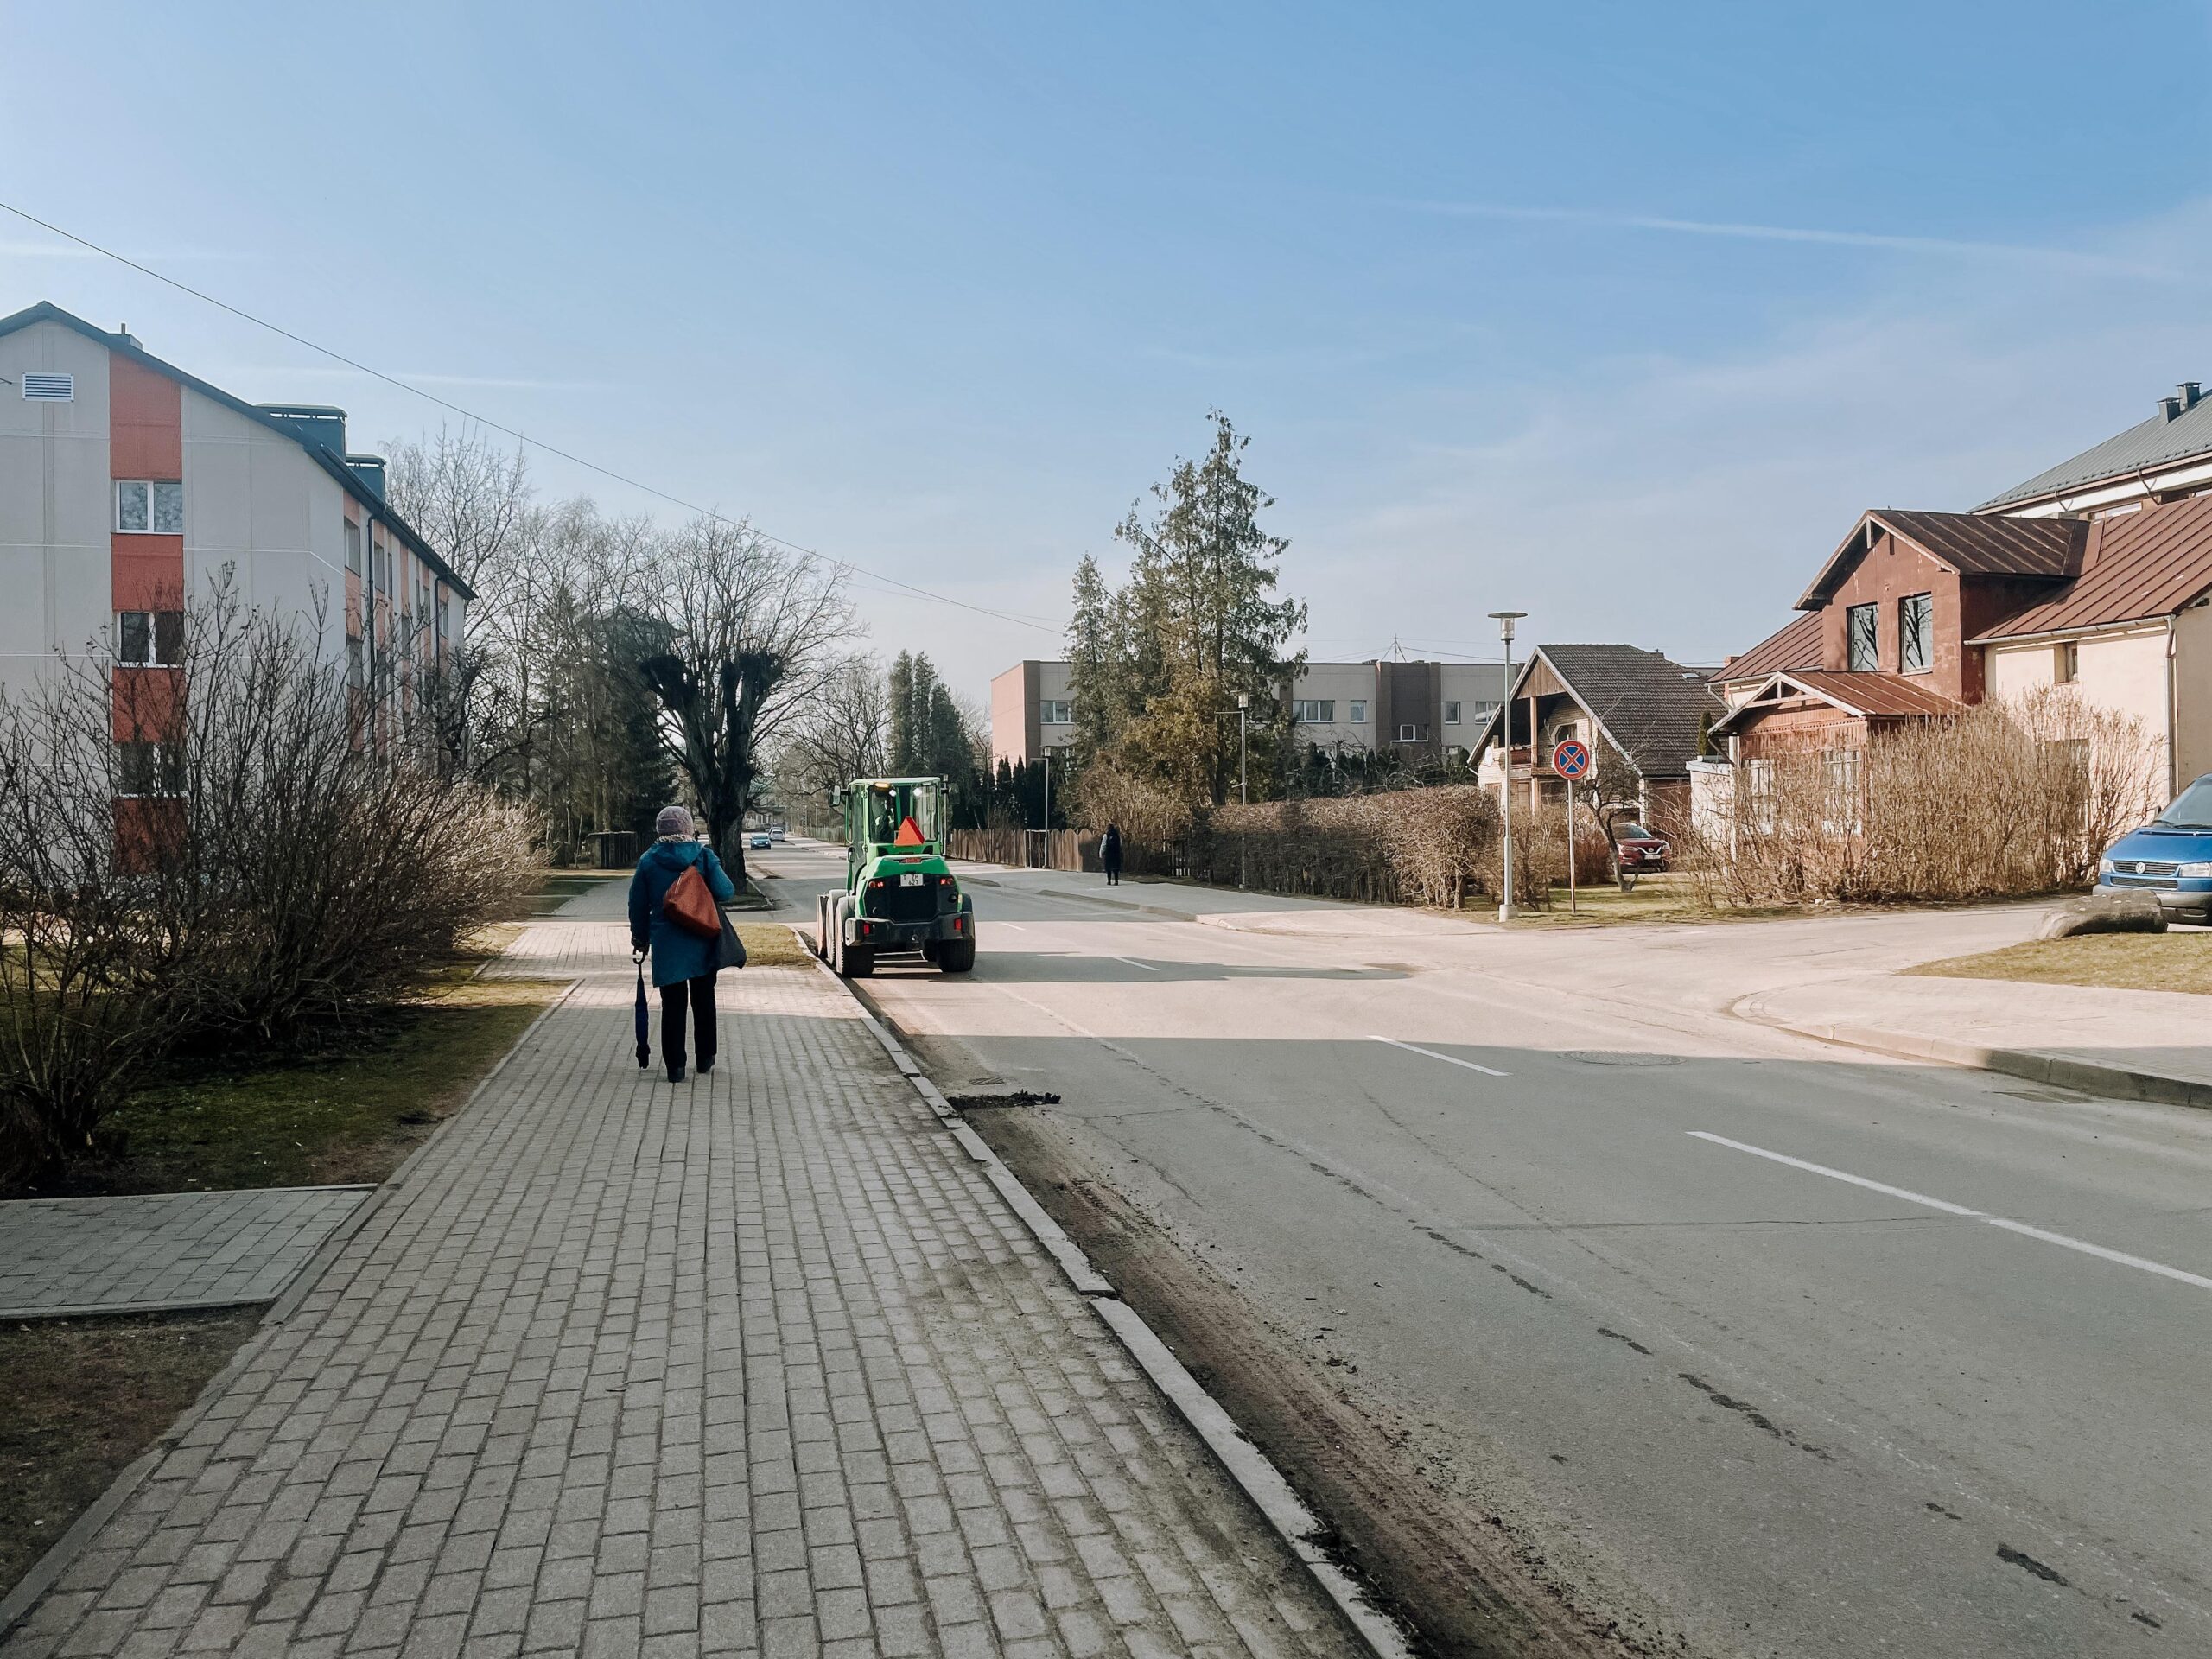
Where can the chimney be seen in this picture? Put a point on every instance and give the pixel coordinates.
(2191, 394)
(316, 424)
(2170, 408)
(370, 470)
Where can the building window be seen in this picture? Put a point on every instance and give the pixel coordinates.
(1410, 732)
(149, 506)
(352, 546)
(2067, 667)
(1450, 714)
(1056, 711)
(144, 769)
(354, 675)
(1915, 633)
(1358, 707)
(1861, 640)
(1313, 711)
(150, 638)
(381, 562)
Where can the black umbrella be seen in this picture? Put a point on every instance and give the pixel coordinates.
(645, 1018)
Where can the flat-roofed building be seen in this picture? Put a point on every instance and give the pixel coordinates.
(1421, 708)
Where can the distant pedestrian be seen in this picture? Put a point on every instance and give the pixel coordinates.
(1110, 855)
(684, 961)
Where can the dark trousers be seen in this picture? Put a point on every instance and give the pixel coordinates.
(1114, 873)
(699, 995)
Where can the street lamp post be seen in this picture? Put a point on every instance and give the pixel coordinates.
(1505, 620)
(1243, 790)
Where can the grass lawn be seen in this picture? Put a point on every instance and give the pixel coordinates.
(2123, 962)
(771, 944)
(217, 1124)
(85, 1397)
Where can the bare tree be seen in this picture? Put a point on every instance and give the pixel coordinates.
(840, 734)
(752, 632)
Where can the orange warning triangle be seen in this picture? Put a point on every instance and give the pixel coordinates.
(910, 833)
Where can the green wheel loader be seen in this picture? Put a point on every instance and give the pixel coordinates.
(899, 896)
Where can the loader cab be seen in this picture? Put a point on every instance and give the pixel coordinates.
(885, 815)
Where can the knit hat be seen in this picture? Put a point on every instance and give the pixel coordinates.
(673, 821)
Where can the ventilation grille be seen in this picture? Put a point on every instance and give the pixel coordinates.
(50, 388)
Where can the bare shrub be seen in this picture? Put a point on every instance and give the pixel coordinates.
(2007, 798)
(1105, 794)
(1415, 846)
(211, 848)
(82, 963)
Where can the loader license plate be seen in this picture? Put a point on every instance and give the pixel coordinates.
(910, 879)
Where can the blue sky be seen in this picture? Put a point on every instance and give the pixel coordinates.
(1616, 314)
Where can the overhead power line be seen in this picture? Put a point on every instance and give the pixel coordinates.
(520, 437)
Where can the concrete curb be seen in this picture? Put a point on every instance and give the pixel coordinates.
(2059, 1070)
(48, 1567)
(1253, 1473)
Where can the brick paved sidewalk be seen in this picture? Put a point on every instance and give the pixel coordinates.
(162, 1249)
(759, 1363)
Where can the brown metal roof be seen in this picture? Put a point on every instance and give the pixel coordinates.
(1795, 644)
(1970, 546)
(1876, 694)
(1882, 696)
(2138, 566)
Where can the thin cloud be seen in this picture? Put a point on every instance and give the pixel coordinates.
(1936, 245)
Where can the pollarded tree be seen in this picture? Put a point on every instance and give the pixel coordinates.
(753, 635)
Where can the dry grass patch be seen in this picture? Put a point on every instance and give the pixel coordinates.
(771, 944)
(2119, 961)
(81, 1399)
(215, 1123)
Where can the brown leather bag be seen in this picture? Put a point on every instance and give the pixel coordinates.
(690, 902)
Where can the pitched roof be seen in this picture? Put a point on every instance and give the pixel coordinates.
(46, 311)
(1967, 544)
(1651, 707)
(1797, 643)
(2141, 566)
(2158, 442)
(1879, 695)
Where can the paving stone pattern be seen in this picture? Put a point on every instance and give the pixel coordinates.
(757, 1363)
(165, 1250)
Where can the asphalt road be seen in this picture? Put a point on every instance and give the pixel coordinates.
(1772, 1346)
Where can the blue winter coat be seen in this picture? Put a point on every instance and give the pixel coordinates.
(677, 953)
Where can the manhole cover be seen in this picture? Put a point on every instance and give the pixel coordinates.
(1595, 1058)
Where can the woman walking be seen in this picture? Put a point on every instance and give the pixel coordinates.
(684, 961)
(1110, 855)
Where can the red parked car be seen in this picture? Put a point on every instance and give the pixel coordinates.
(1641, 852)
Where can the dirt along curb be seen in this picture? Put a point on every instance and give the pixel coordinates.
(2058, 1070)
(1245, 1464)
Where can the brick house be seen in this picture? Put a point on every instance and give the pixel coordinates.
(2096, 574)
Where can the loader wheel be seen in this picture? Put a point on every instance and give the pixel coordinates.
(957, 956)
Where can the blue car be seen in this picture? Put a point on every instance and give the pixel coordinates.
(2170, 857)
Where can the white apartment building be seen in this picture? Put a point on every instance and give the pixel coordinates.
(129, 488)
(1423, 708)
